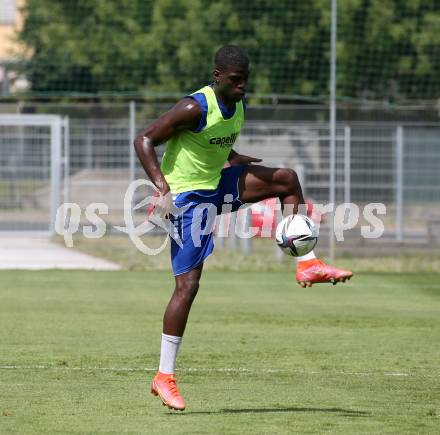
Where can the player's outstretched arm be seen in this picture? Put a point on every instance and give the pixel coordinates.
(185, 114)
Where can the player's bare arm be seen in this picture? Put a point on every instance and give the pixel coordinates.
(184, 115)
(240, 159)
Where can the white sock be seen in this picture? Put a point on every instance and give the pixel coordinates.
(310, 256)
(168, 353)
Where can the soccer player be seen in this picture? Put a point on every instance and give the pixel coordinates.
(200, 131)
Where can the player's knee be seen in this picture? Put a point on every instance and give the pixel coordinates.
(188, 289)
(290, 180)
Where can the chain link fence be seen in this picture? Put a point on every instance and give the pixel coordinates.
(394, 162)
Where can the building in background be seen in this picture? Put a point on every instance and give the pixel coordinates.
(11, 19)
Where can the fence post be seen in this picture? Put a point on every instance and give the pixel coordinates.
(301, 173)
(333, 40)
(232, 237)
(347, 162)
(246, 243)
(55, 170)
(399, 183)
(66, 158)
(89, 147)
(132, 134)
(278, 252)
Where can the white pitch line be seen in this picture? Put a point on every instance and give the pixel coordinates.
(204, 370)
(397, 374)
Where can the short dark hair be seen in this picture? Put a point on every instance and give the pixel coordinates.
(231, 55)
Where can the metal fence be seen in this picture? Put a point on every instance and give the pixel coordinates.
(395, 163)
(31, 170)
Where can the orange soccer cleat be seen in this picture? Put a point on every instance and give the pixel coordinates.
(313, 271)
(164, 386)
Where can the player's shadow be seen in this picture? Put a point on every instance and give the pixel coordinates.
(340, 411)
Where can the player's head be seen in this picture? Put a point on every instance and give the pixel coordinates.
(231, 71)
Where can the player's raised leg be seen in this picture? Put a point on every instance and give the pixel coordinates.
(258, 183)
(174, 322)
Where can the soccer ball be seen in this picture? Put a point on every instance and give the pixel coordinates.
(296, 235)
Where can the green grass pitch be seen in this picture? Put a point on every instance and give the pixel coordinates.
(260, 355)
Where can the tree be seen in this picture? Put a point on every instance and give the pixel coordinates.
(89, 46)
(387, 49)
(166, 46)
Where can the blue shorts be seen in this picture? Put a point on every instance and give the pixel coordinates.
(196, 221)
